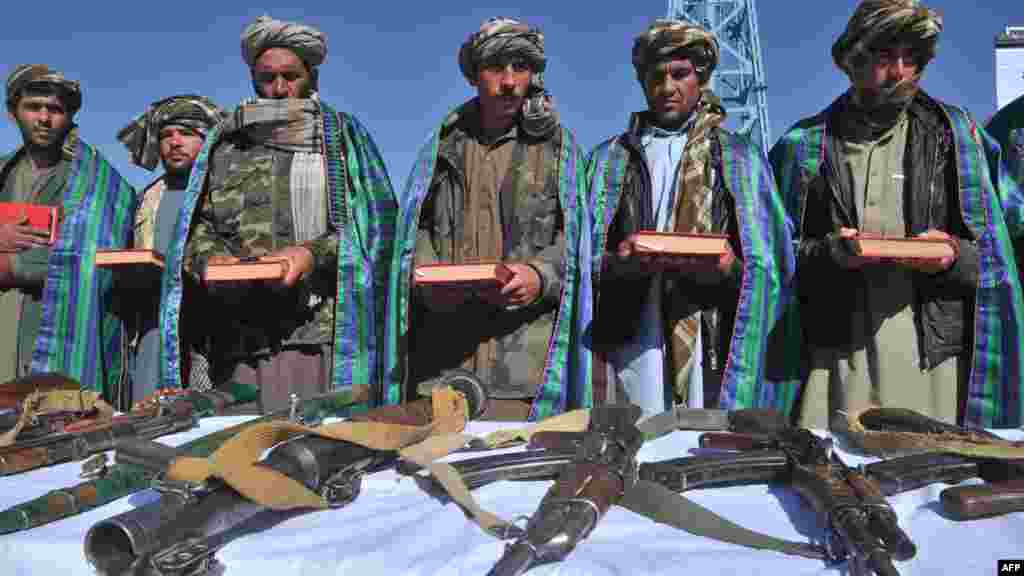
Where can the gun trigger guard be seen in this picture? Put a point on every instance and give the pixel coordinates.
(512, 532)
(189, 558)
(95, 467)
(343, 487)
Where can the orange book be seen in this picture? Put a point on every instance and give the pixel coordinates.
(482, 275)
(249, 268)
(133, 268)
(43, 218)
(879, 248)
(711, 246)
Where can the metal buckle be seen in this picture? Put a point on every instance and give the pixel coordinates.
(188, 492)
(95, 467)
(191, 557)
(293, 409)
(342, 487)
(79, 447)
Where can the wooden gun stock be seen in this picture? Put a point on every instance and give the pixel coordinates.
(736, 442)
(983, 500)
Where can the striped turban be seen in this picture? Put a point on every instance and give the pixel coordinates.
(308, 43)
(878, 22)
(508, 37)
(142, 136)
(666, 37)
(26, 75)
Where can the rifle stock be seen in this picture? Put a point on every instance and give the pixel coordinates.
(983, 500)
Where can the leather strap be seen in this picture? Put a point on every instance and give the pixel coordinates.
(235, 462)
(666, 507)
(38, 403)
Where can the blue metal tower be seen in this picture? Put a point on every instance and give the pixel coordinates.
(739, 80)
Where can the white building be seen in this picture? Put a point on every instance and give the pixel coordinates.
(1009, 65)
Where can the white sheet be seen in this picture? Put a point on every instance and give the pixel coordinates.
(394, 528)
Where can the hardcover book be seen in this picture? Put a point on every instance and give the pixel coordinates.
(483, 275)
(879, 248)
(243, 269)
(43, 218)
(133, 268)
(710, 246)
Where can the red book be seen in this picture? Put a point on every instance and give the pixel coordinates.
(710, 246)
(42, 218)
(882, 249)
(479, 276)
(243, 269)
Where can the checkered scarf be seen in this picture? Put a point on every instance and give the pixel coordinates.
(142, 135)
(693, 214)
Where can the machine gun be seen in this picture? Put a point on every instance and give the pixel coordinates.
(179, 533)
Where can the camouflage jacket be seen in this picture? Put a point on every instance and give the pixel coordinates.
(533, 233)
(246, 211)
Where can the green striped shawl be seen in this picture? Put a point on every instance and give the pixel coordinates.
(764, 232)
(366, 232)
(994, 398)
(559, 371)
(78, 335)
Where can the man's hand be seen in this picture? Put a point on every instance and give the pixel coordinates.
(930, 265)
(523, 288)
(298, 263)
(17, 236)
(843, 256)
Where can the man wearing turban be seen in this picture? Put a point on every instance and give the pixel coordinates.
(53, 302)
(496, 181)
(172, 132)
(678, 331)
(286, 176)
(886, 158)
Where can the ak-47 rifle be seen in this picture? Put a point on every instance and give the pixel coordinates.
(105, 483)
(181, 532)
(862, 526)
(602, 468)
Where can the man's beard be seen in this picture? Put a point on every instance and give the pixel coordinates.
(896, 95)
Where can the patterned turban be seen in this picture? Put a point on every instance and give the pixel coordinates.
(142, 136)
(26, 75)
(875, 22)
(667, 36)
(308, 43)
(509, 37)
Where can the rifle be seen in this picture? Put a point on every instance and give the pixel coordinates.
(602, 469)
(108, 483)
(158, 418)
(181, 532)
(862, 526)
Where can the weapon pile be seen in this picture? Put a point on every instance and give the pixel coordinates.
(204, 503)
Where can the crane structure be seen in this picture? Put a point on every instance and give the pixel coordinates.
(739, 79)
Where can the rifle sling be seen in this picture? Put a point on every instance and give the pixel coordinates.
(670, 508)
(646, 498)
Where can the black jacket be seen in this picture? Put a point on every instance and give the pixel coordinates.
(943, 303)
(624, 286)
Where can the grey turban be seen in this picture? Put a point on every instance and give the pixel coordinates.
(308, 43)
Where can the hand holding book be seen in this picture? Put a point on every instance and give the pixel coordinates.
(18, 235)
(930, 252)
